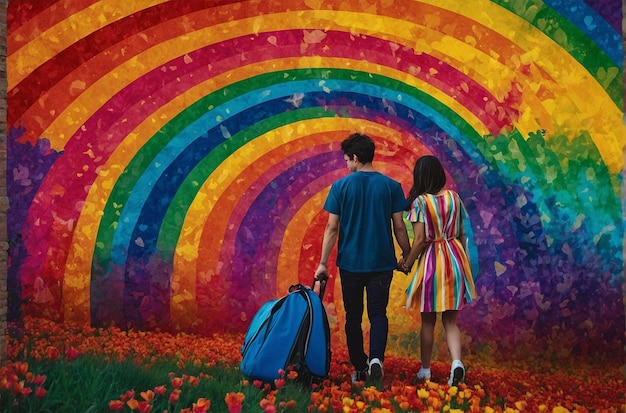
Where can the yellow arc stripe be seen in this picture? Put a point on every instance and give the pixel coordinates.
(297, 227)
(579, 103)
(576, 91)
(93, 98)
(223, 187)
(109, 173)
(78, 264)
(186, 259)
(44, 19)
(286, 271)
(186, 263)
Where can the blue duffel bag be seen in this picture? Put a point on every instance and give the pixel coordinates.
(291, 332)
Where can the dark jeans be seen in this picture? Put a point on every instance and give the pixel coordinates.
(377, 285)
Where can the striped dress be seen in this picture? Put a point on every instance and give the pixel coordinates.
(443, 277)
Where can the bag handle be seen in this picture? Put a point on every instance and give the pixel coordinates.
(318, 286)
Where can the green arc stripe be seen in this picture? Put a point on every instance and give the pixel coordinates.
(574, 41)
(146, 154)
(188, 190)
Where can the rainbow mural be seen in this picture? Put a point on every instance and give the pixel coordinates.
(168, 160)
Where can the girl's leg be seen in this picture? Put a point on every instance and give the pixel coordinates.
(453, 338)
(453, 333)
(427, 337)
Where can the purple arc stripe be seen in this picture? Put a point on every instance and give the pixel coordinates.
(248, 284)
(125, 111)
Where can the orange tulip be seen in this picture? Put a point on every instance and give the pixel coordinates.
(41, 392)
(234, 401)
(52, 352)
(144, 407)
(174, 396)
(20, 368)
(201, 406)
(133, 404)
(147, 395)
(38, 380)
(115, 405)
(177, 382)
(160, 390)
(20, 390)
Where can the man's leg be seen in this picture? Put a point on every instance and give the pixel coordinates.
(378, 285)
(352, 287)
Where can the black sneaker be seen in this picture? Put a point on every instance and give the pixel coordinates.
(358, 376)
(458, 373)
(376, 370)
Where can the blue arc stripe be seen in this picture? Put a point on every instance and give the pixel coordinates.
(213, 128)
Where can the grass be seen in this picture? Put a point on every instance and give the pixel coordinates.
(90, 383)
(55, 368)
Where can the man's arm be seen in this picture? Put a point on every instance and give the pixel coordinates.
(330, 236)
(400, 232)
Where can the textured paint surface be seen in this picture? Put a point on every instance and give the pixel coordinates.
(168, 160)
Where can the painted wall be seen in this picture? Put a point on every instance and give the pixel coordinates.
(4, 201)
(168, 160)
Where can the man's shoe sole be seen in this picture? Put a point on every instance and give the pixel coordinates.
(376, 373)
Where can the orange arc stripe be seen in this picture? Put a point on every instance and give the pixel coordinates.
(298, 233)
(217, 240)
(215, 206)
(296, 230)
(32, 29)
(91, 94)
(225, 181)
(242, 26)
(76, 278)
(59, 36)
(446, 47)
(340, 133)
(207, 219)
(293, 236)
(78, 264)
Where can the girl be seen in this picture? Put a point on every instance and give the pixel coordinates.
(443, 281)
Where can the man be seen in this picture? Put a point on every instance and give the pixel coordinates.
(362, 208)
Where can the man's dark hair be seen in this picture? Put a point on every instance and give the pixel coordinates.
(360, 145)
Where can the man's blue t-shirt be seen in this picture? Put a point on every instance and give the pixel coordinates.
(365, 202)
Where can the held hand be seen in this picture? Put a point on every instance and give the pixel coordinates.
(403, 266)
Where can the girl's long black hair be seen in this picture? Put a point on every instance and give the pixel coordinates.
(428, 177)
